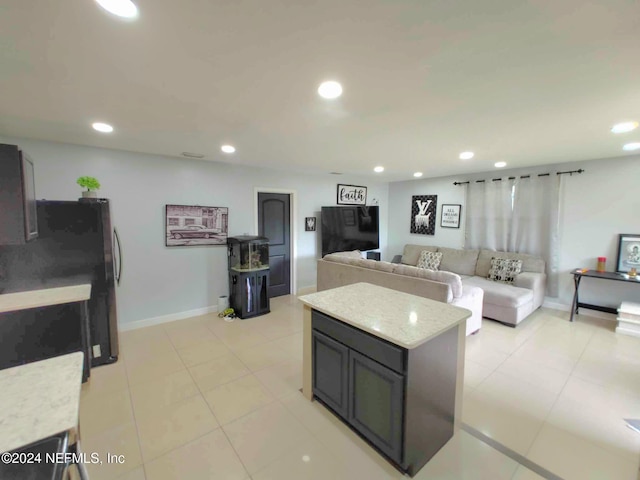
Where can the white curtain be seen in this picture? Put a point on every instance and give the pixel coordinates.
(489, 214)
(535, 222)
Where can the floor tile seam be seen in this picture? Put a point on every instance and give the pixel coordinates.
(236, 452)
(180, 445)
(195, 439)
(538, 386)
(626, 457)
(204, 399)
(204, 361)
(599, 447)
(135, 423)
(618, 392)
(508, 452)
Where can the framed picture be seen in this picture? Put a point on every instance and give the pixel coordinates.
(628, 252)
(423, 214)
(309, 224)
(352, 195)
(450, 217)
(192, 225)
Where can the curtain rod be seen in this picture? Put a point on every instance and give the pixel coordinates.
(571, 172)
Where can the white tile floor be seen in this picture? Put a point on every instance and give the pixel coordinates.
(206, 399)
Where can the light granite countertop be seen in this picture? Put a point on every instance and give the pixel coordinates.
(11, 302)
(39, 399)
(403, 319)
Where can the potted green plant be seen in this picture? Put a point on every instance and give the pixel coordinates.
(91, 184)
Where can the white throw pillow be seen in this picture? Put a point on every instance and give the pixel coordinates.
(504, 270)
(429, 260)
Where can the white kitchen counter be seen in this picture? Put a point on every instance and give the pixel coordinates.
(39, 399)
(11, 302)
(403, 319)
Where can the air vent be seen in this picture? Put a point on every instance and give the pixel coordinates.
(335, 173)
(192, 155)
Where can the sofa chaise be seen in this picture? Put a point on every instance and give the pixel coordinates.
(506, 303)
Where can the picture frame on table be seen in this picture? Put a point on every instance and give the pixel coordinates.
(628, 252)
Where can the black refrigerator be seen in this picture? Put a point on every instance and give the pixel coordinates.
(82, 241)
(76, 244)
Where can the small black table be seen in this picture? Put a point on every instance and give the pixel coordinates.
(577, 277)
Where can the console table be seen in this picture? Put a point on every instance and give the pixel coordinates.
(577, 277)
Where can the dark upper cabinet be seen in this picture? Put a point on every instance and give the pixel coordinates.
(18, 219)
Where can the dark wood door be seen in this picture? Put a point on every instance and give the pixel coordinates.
(376, 404)
(331, 373)
(274, 222)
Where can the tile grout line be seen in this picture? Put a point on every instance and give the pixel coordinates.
(518, 458)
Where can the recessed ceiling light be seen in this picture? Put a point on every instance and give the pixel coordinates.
(631, 146)
(228, 148)
(121, 8)
(378, 169)
(102, 127)
(466, 155)
(500, 164)
(417, 174)
(330, 89)
(624, 127)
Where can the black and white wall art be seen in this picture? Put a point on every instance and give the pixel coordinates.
(190, 225)
(450, 217)
(351, 195)
(309, 224)
(423, 214)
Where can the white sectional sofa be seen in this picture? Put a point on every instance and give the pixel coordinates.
(506, 303)
(345, 268)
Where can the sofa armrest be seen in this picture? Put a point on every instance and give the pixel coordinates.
(531, 280)
(396, 259)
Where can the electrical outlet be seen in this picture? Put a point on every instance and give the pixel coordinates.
(96, 351)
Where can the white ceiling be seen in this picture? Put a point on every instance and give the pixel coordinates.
(526, 82)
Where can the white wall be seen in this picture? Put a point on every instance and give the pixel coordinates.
(156, 280)
(596, 206)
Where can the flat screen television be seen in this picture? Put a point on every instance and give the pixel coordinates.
(349, 228)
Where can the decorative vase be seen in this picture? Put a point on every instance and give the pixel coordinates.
(89, 194)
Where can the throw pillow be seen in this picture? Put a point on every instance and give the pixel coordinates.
(429, 260)
(504, 270)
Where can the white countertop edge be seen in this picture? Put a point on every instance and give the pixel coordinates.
(11, 302)
(375, 333)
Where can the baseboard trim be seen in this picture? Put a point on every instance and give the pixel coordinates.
(307, 290)
(583, 311)
(148, 322)
(626, 331)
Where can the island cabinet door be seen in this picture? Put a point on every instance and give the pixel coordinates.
(376, 404)
(331, 372)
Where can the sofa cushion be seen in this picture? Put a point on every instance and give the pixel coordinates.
(501, 294)
(382, 266)
(411, 253)
(504, 270)
(453, 280)
(530, 263)
(429, 260)
(458, 260)
(351, 253)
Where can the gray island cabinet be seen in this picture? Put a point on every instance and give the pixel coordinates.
(389, 364)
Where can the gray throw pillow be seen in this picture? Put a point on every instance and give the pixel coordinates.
(504, 270)
(429, 260)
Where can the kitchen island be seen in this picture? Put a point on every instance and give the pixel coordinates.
(389, 364)
(24, 310)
